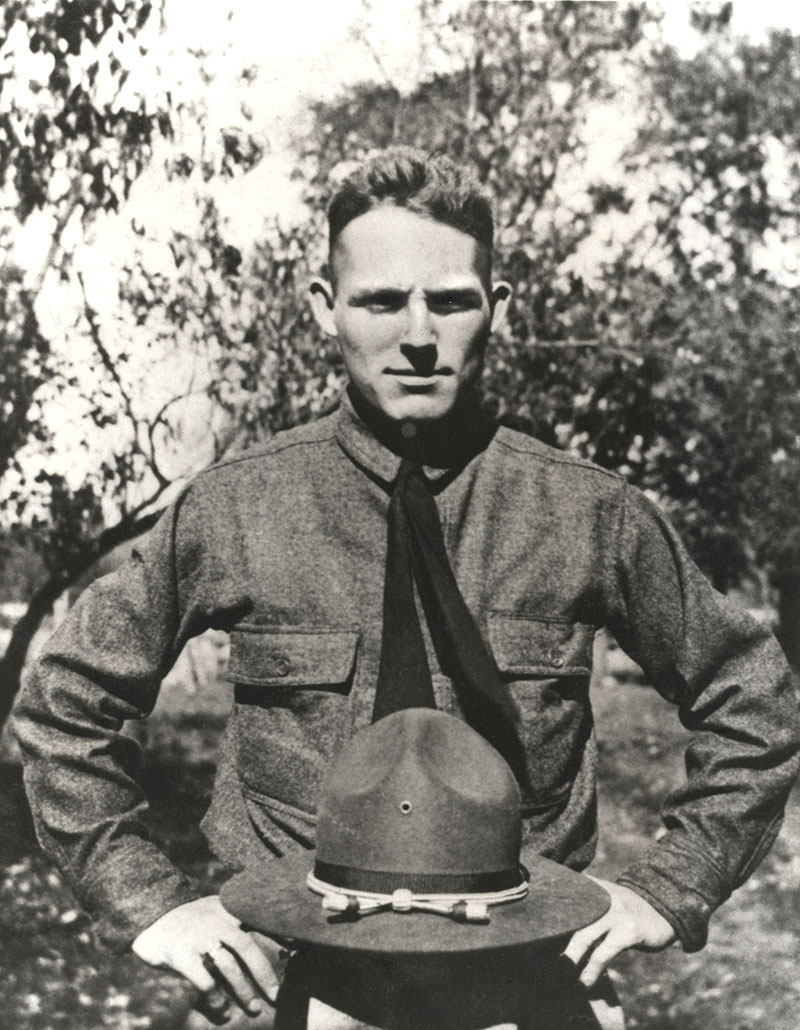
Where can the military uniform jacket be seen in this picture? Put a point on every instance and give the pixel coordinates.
(284, 547)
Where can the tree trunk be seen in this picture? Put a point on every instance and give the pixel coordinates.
(13, 661)
(787, 583)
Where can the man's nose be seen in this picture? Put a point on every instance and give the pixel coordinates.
(422, 358)
(418, 345)
(419, 328)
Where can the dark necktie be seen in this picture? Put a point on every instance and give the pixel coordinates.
(416, 553)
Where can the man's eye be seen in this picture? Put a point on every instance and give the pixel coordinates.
(384, 305)
(448, 305)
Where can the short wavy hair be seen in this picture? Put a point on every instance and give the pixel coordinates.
(431, 185)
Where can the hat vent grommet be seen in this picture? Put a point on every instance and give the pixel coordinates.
(405, 807)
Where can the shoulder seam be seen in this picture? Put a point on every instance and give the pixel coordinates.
(555, 459)
(273, 446)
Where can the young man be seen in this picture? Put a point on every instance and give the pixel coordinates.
(405, 540)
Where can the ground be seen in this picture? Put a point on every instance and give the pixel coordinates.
(53, 978)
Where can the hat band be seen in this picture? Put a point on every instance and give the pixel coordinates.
(382, 882)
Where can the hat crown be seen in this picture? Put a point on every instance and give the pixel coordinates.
(420, 793)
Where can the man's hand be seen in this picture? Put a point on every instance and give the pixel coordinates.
(630, 922)
(187, 937)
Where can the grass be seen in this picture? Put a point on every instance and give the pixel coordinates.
(748, 975)
(53, 978)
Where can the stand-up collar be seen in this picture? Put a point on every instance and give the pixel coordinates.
(379, 444)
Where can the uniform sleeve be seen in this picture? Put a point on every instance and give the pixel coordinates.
(734, 693)
(102, 666)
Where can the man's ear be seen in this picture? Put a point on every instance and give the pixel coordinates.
(321, 297)
(501, 296)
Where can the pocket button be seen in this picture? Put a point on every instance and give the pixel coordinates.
(556, 659)
(281, 665)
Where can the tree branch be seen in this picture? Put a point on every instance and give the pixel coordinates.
(55, 239)
(108, 364)
(13, 661)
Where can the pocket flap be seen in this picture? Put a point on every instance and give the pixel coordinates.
(528, 646)
(300, 656)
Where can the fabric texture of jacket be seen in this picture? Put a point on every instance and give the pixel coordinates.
(284, 548)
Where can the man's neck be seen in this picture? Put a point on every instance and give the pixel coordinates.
(440, 443)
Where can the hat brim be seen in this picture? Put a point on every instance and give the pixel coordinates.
(274, 899)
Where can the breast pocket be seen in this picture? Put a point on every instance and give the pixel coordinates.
(310, 657)
(546, 664)
(291, 707)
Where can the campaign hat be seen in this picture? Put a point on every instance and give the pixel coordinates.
(418, 850)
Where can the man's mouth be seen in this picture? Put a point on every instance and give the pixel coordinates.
(412, 376)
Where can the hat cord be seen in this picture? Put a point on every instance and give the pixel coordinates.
(463, 908)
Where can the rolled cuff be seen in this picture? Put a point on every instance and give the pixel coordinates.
(136, 886)
(682, 889)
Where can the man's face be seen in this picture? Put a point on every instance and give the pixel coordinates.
(410, 311)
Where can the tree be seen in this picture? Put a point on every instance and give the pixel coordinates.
(202, 348)
(646, 322)
(70, 147)
(643, 324)
(726, 456)
(79, 124)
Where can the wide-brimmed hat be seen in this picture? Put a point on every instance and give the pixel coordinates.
(417, 851)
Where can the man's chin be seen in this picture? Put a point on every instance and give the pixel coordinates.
(419, 408)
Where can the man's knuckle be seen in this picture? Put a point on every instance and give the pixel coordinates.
(591, 973)
(583, 939)
(224, 961)
(233, 975)
(620, 943)
(263, 972)
(202, 980)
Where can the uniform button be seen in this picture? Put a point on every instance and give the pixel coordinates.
(282, 665)
(556, 659)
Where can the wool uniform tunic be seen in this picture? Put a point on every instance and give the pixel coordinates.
(284, 547)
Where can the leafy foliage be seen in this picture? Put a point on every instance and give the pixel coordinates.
(24, 351)
(247, 315)
(727, 451)
(72, 142)
(77, 117)
(80, 114)
(651, 331)
(671, 356)
(197, 336)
